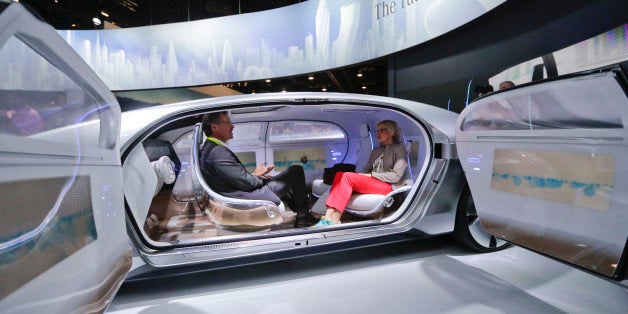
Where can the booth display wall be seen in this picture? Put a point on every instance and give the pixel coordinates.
(514, 32)
(322, 34)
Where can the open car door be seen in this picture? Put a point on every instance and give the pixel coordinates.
(547, 164)
(63, 241)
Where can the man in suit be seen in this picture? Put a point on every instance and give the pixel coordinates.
(226, 174)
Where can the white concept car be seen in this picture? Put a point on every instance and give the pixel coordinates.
(91, 196)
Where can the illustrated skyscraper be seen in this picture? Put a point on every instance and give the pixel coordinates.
(323, 21)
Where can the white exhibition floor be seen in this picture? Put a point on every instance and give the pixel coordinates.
(427, 276)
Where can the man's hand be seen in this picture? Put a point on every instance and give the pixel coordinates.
(262, 170)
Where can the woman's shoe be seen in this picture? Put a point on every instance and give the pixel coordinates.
(324, 222)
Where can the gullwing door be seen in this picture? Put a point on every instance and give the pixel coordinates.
(63, 242)
(547, 167)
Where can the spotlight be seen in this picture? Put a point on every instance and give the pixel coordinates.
(363, 86)
(96, 21)
(359, 74)
(324, 89)
(267, 80)
(103, 13)
(311, 77)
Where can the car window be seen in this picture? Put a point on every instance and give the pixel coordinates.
(309, 158)
(248, 160)
(36, 97)
(592, 103)
(244, 134)
(575, 103)
(247, 134)
(183, 144)
(282, 132)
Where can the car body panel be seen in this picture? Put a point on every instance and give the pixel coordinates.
(546, 164)
(63, 246)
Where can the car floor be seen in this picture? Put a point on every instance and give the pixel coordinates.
(420, 276)
(169, 220)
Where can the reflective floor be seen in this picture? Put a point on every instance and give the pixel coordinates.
(426, 276)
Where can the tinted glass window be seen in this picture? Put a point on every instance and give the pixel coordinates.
(36, 97)
(248, 160)
(299, 131)
(309, 158)
(245, 134)
(584, 102)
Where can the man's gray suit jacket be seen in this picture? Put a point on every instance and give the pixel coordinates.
(226, 175)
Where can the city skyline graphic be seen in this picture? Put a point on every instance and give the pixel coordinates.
(312, 36)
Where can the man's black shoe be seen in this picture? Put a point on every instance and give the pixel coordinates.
(303, 221)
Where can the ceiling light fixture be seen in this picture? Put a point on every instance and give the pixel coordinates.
(96, 21)
(359, 74)
(267, 80)
(103, 13)
(324, 89)
(311, 77)
(363, 86)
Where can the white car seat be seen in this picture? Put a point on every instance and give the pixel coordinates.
(364, 205)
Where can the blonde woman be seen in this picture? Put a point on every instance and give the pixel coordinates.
(386, 167)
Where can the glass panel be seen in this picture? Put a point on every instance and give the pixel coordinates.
(183, 144)
(589, 103)
(299, 131)
(248, 160)
(493, 115)
(36, 97)
(309, 158)
(245, 134)
(585, 102)
(604, 49)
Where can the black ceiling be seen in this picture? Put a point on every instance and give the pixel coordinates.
(369, 78)
(79, 14)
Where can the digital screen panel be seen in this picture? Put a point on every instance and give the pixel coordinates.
(604, 49)
(584, 180)
(322, 34)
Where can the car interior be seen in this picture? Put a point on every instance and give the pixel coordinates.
(188, 211)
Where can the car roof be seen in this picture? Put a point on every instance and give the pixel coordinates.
(439, 120)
